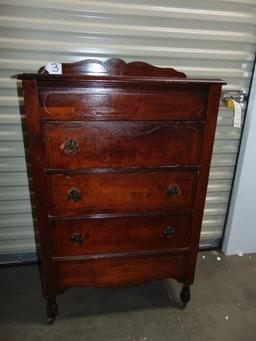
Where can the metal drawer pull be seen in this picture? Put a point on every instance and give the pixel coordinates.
(70, 146)
(172, 191)
(76, 238)
(169, 232)
(74, 195)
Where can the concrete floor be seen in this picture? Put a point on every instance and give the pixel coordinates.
(223, 307)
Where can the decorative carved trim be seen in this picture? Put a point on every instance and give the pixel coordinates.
(116, 67)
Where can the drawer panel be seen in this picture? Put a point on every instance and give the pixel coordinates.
(78, 194)
(118, 271)
(126, 234)
(181, 102)
(122, 144)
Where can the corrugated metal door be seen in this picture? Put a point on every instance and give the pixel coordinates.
(202, 39)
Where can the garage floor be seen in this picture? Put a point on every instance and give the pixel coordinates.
(223, 307)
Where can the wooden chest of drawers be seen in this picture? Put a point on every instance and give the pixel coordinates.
(120, 158)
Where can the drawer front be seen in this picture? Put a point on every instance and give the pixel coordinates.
(122, 144)
(118, 271)
(179, 102)
(126, 234)
(75, 195)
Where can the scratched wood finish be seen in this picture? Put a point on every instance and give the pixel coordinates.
(125, 234)
(120, 155)
(125, 192)
(123, 144)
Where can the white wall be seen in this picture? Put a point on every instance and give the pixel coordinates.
(240, 235)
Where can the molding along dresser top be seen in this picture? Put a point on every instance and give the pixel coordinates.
(120, 158)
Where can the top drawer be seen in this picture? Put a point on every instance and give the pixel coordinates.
(105, 103)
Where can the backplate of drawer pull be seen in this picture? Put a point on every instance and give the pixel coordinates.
(169, 232)
(172, 191)
(74, 195)
(71, 146)
(76, 238)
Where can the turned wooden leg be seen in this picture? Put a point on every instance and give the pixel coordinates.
(185, 294)
(52, 310)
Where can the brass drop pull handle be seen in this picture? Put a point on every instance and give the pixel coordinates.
(76, 238)
(172, 191)
(169, 232)
(71, 146)
(74, 195)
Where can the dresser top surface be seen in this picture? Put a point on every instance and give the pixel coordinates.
(114, 79)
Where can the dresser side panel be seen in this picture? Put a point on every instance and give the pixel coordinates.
(207, 148)
(36, 156)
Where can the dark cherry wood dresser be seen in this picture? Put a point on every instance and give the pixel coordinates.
(120, 157)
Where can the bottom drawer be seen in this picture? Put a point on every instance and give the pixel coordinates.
(119, 271)
(122, 234)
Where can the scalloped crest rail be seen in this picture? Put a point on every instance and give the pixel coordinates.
(116, 67)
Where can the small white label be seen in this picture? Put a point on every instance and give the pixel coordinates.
(54, 68)
(237, 114)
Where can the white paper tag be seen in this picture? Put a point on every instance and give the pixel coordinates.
(237, 114)
(54, 68)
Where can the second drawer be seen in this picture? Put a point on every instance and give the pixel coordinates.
(80, 194)
(124, 234)
(76, 145)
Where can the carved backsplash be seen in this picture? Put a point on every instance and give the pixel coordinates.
(116, 67)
